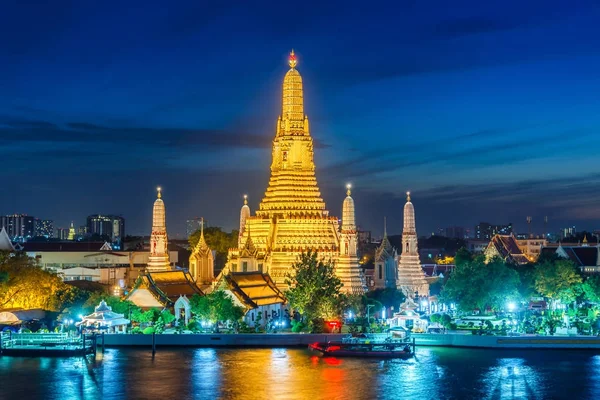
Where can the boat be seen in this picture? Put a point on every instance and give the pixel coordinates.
(365, 346)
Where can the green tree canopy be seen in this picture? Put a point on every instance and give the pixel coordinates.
(462, 257)
(591, 289)
(477, 285)
(215, 307)
(314, 288)
(388, 297)
(558, 280)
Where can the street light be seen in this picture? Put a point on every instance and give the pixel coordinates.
(511, 306)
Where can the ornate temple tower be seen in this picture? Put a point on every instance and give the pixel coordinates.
(71, 232)
(410, 273)
(347, 268)
(159, 254)
(202, 262)
(291, 217)
(244, 214)
(386, 259)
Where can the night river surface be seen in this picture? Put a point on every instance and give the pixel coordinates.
(198, 373)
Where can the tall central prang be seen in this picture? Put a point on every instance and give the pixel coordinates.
(293, 186)
(292, 217)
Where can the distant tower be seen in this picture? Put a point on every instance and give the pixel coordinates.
(159, 253)
(529, 226)
(546, 227)
(347, 268)
(244, 214)
(411, 278)
(202, 262)
(71, 232)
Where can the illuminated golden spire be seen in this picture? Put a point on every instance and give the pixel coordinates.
(348, 186)
(159, 190)
(245, 199)
(292, 59)
(292, 114)
(407, 196)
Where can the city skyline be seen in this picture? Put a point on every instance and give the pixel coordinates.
(483, 115)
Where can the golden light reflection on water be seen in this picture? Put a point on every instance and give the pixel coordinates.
(298, 374)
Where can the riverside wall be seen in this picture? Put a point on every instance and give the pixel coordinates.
(218, 340)
(510, 342)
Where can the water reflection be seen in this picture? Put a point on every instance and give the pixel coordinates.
(298, 374)
(512, 379)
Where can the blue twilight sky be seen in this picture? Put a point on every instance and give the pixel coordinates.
(485, 110)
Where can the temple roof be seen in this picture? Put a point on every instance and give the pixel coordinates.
(5, 242)
(167, 286)
(582, 256)
(254, 289)
(104, 316)
(508, 249)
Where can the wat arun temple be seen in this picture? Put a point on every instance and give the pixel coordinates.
(292, 216)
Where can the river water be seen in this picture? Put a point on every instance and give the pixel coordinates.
(436, 373)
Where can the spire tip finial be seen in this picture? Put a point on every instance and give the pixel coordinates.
(407, 196)
(292, 61)
(159, 190)
(245, 199)
(348, 189)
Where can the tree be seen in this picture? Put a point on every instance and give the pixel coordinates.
(314, 289)
(462, 257)
(591, 289)
(216, 307)
(218, 241)
(558, 281)
(388, 297)
(477, 285)
(26, 285)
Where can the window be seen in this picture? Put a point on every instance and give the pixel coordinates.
(284, 156)
(380, 271)
(406, 247)
(245, 266)
(260, 267)
(233, 267)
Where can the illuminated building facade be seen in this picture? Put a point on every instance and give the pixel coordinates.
(292, 217)
(159, 254)
(44, 227)
(111, 227)
(19, 227)
(485, 230)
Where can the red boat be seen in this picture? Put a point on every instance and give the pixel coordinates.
(386, 349)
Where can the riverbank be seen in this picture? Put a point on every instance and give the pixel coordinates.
(509, 342)
(218, 340)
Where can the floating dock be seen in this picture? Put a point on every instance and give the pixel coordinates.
(46, 344)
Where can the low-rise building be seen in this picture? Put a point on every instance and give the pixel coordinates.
(531, 247)
(91, 261)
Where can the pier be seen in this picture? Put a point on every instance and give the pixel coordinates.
(46, 344)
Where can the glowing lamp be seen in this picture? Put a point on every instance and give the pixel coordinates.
(511, 306)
